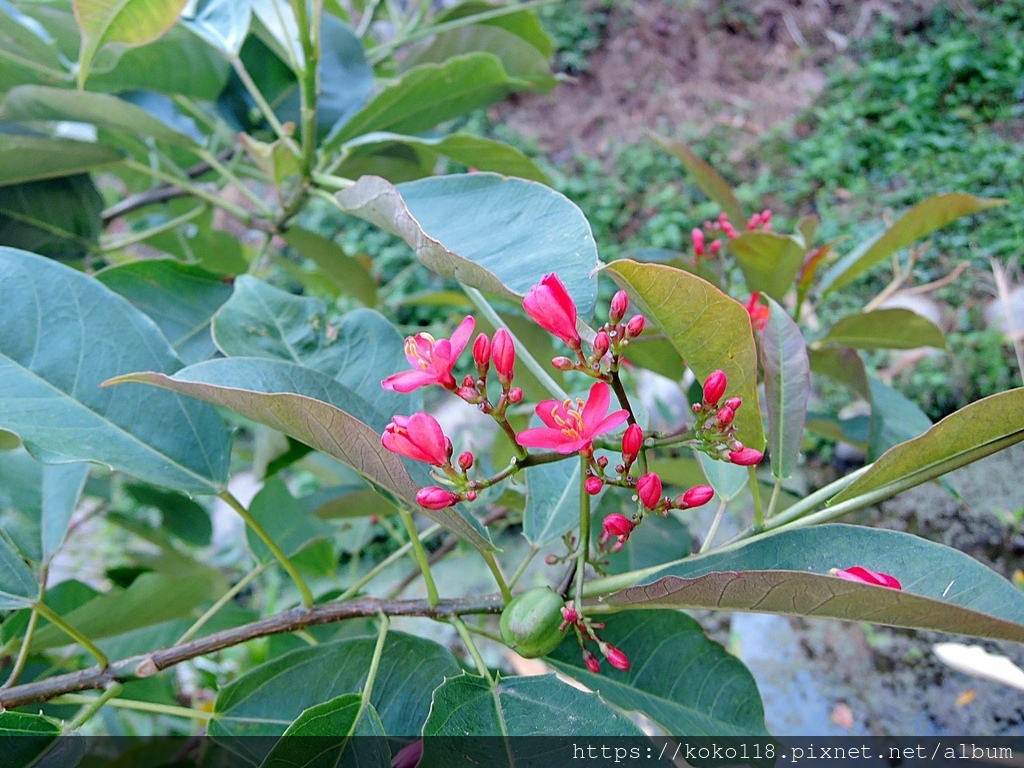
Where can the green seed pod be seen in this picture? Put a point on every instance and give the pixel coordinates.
(529, 624)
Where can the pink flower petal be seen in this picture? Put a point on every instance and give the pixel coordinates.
(596, 407)
(460, 338)
(407, 381)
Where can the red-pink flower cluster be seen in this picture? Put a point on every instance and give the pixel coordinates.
(714, 427)
(722, 225)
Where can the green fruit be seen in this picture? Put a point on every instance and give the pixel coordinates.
(529, 624)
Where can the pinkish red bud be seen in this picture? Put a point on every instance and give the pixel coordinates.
(698, 496)
(562, 363)
(551, 560)
(482, 353)
(593, 663)
(433, 497)
(418, 437)
(734, 403)
(615, 657)
(866, 576)
(648, 488)
(602, 461)
(469, 394)
(410, 755)
(470, 495)
(468, 381)
(766, 215)
(569, 613)
(620, 303)
(714, 386)
(601, 344)
(697, 235)
(635, 326)
(617, 525)
(729, 229)
(632, 443)
(725, 416)
(465, 460)
(504, 355)
(552, 308)
(515, 395)
(746, 457)
(716, 246)
(593, 485)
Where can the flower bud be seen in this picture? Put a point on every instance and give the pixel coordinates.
(725, 416)
(593, 485)
(551, 560)
(408, 756)
(617, 525)
(632, 443)
(435, 498)
(602, 462)
(562, 363)
(714, 386)
(746, 457)
(504, 356)
(601, 344)
(569, 613)
(470, 495)
(697, 496)
(620, 303)
(734, 403)
(515, 395)
(482, 353)
(593, 663)
(469, 394)
(648, 488)
(635, 326)
(697, 235)
(465, 460)
(716, 246)
(615, 657)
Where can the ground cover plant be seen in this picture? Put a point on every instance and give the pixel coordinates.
(153, 360)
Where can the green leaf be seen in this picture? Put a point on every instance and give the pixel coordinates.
(684, 681)
(359, 352)
(25, 38)
(970, 434)
(924, 218)
(326, 732)
(282, 518)
(787, 388)
(222, 23)
(841, 364)
(885, 329)
(180, 298)
(198, 241)
(472, 151)
(25, 737)
(428, 95)
(552, 501)
(181, 516)
(30, 158)
(265, 700)
(345, 76)
(347, 273)
(513, 706)
(130, 22)
(705, 177)
(894, 418)
(36, 502)
(57, 218)
(152, 598)
(659, 540)
(770, 262)
(311, 407)
(788, 573)
(29, 103)
(18, 588)
(728, 479)
(709, 330)
(62, 333)
(522, 23)
(453, 223)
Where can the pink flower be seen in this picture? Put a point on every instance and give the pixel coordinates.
(648, 488)
(553, 309)
(572, 425)
(758, 312)
(432, 361)
(434, 497)
(697, 235)
(482, 353)
(746, 457)
(419, 437)
(865, 576)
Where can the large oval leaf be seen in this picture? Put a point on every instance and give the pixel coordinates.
(972, 433)
(346, 272)
(30, 158)
(552, 501)
(787, 388)
(886, 329)
(62, 333)
(684, 681)
(17, 586)
(493, 233)
(895, 418)
(311, 407)
(57, 218)
(769, 261)
(709, 330)
(788, 573)
(327, 732)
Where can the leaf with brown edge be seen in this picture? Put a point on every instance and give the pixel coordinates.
(710, 330)
(309, 406)
(788, 573)
(973, 432)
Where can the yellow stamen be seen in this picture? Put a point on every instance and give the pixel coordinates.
(569, 418)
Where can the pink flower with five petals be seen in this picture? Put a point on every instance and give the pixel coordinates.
(572, 425)
(419, 437)
(432, 361)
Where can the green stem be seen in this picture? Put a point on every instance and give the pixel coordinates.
(254, 90)
(755, 491)
(230, 176)
(26, 643)
(137, 706)
(145, 234)
(395, 556)
(467, 638)
(421, 556)
(498, 577)
(51, 616)
(176, 181)
(332, 183)
(583, 555)
(623, 398)
(226, 598)
(94, 705)
(714, 527)
(391, 530)
(776, 492)
(522, 567)
(528, 359)
(309, 34)
(378, 651)
(235, 504)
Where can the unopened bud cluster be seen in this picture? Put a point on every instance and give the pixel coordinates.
(585, 630)
(608, 342)
(707, 239)
(714, 430)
